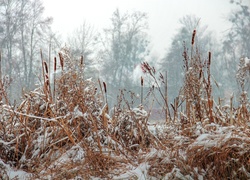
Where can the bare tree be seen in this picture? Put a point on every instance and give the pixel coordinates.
(83, 43)
(83, 40)
(173, 61)
(37, 30)
(125, 46)
(236, 43)
(10, 12)
(23, 31)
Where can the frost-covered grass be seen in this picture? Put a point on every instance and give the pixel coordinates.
(69, 134)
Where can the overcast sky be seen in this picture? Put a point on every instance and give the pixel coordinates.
(163, 15)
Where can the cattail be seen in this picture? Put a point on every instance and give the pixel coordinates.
(47, 83)
(105, 88)
(46, 67)
(193, 36)
(209, 58)
(46, 77)
(81, 60)
(54, 64)
(141, 89)
(61, 60)
(200, 74)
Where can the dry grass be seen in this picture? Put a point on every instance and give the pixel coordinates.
(63, 129)
(229, 159)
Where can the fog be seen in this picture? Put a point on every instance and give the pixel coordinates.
(163, 16)
(124, 89)
(115, 37)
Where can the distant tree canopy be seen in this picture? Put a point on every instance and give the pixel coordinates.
(23, 32)
(236, 42)
(84, 43)
(237, 39)
(125, 46)
(173, 61)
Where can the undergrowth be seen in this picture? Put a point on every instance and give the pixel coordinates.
(63, 129)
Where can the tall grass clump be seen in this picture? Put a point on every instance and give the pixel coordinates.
(69, 130)
(64, 129)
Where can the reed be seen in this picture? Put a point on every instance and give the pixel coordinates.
(75, 136)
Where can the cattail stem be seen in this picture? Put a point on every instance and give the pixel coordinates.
(209, 89)
(1, 83)
(42, 65)
(44, 78)
(49, 55)
(141, 90)
(0, 66)
(106, 94)
(101, 88)
(166, 96)
(54, 85)
(231, 110)
(61, 60)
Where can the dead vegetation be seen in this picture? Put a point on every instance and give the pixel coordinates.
(63, 129)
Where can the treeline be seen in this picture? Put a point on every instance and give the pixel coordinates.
(115, 54)
(23, 32)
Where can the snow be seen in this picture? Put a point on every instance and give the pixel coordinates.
(139, 172)
(13, 173)
(247, 61)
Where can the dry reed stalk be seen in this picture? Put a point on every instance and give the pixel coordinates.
(41, 53)
(146, 68)
(209, 89)
(3, 93)
(231, 110)
(166, 97)
(61, 60)
(141, 90)
(95, 129)
(0, 67)
(104, 117)
(99, 82)
(54, 83)
(67, 130)
(46, 86)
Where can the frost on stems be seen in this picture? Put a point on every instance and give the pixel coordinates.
(197, 84)
(243, 76)
(146, 68)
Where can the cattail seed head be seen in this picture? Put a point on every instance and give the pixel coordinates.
(105, 87)
(54, 64)
(209, 58)
(193, 36)
(81, 60)
(141, 81)
(61, 60)
(46, 77)
(46, 67)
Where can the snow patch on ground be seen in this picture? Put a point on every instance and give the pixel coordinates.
(13, 173)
